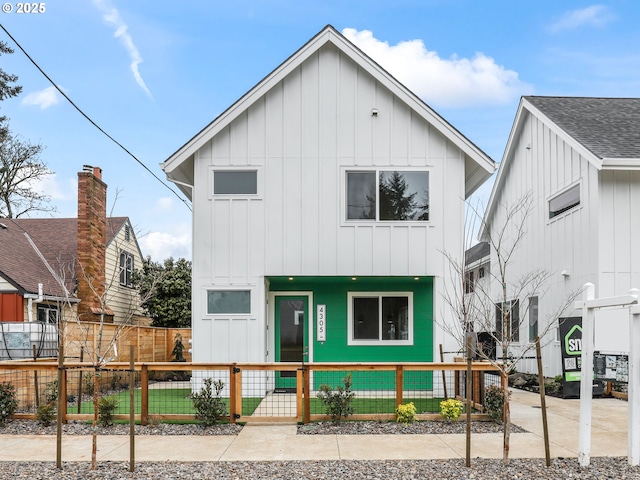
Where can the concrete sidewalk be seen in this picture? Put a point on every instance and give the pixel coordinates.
(280, 442)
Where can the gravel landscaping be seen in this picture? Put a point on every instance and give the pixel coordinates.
(522, 469)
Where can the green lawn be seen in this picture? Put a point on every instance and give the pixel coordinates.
(165, 401)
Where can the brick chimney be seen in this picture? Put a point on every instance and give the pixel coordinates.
(92, 238)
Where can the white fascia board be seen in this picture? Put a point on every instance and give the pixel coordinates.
(524, 109)
(329, 34)
(621, 164)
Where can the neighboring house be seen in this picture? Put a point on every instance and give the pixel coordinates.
(579, 161)
(45, 263)
(322, 202)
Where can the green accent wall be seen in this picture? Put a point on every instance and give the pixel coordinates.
(333, 291)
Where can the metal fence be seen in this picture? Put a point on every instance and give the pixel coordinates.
(250, 392)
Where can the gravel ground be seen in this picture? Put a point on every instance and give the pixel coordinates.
(600, 468)
(522, 469)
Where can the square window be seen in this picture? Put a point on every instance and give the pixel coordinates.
(388, 195)
(228, 302)
(235, 182)
(380, 318)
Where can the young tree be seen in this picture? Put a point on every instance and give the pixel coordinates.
(500, 306)
(170, 282)
(20, 170)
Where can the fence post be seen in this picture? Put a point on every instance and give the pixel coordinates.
(299, 393)
(399, 384)
(232, 393)
(307, 395)
(144, 395)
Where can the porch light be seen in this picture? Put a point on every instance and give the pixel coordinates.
(416, 278)
(290, 279)
(354, 278)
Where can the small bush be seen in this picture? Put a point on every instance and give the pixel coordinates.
(106, 407)
(46, 413)
(338, 403)
(451, 409)
(494, 402)
(87, 382)
(208, 403)
(406, 413)
(8, 401)
(178, 349)
(51, 391)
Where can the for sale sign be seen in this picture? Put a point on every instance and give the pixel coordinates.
(571, 342)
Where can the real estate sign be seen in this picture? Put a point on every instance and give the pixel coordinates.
(571, 346)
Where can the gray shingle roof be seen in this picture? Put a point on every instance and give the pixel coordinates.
(608, 127)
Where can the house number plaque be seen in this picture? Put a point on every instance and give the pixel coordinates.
(321, 323)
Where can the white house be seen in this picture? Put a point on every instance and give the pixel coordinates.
(322, 202)
(579, 160)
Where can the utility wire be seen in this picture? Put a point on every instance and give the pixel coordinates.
(89, 118)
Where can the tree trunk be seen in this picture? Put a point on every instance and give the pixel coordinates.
(94, 439)
(506, 418)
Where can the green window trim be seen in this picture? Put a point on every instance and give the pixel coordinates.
(394, 322)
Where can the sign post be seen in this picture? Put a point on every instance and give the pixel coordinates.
(588, 306)
(634, 384)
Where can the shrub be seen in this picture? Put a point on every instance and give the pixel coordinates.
(178, 349)
(208, 403)
(51, 391)
(106, 407)
(338, 403)
(8, 401)
(451, 409)
(46, 413)
(87, 382)
(406, 413)
(494, 402)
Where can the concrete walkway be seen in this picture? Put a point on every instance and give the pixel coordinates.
(280, 442)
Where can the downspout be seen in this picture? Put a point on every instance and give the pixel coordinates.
(33, 298)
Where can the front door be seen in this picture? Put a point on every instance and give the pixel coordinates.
(291, 335)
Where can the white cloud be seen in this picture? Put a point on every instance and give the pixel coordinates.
(42, 98)
(160, 245)
(592, 16)
(112, 17)
(453, 82)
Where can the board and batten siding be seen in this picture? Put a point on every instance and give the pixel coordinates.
(543, 165)
(301, 137)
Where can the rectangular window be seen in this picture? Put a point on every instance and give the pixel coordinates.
(469, 282)
(533, 318)
(48, 314)
(378, 318)
(565, 201)
(233, 302)
(126, 269)
(388, 195)
(235, 182)
(509, 311)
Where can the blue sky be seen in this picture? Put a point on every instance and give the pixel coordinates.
(152, 73)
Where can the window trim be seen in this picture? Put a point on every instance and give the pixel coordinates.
(128, 272)
(228, 289)
(380, 343)
(229, 169)
(564, 211)
(376, 170)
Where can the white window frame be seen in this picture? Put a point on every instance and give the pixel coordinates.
(228, 289)
(562, 214)
(377, 170)
(127, 269)
(380, 342)
(213, 170)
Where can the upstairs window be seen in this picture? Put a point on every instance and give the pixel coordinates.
(564, 201)
(388, 195)
(126, 269)
(235, 182)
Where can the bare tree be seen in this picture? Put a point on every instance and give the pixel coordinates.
(20, 171)
(500, 306)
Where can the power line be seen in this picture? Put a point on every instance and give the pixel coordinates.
(89, 118)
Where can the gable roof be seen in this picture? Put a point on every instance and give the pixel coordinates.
(179, 166)
(605, 131)
(608, 127)
(43, 250)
